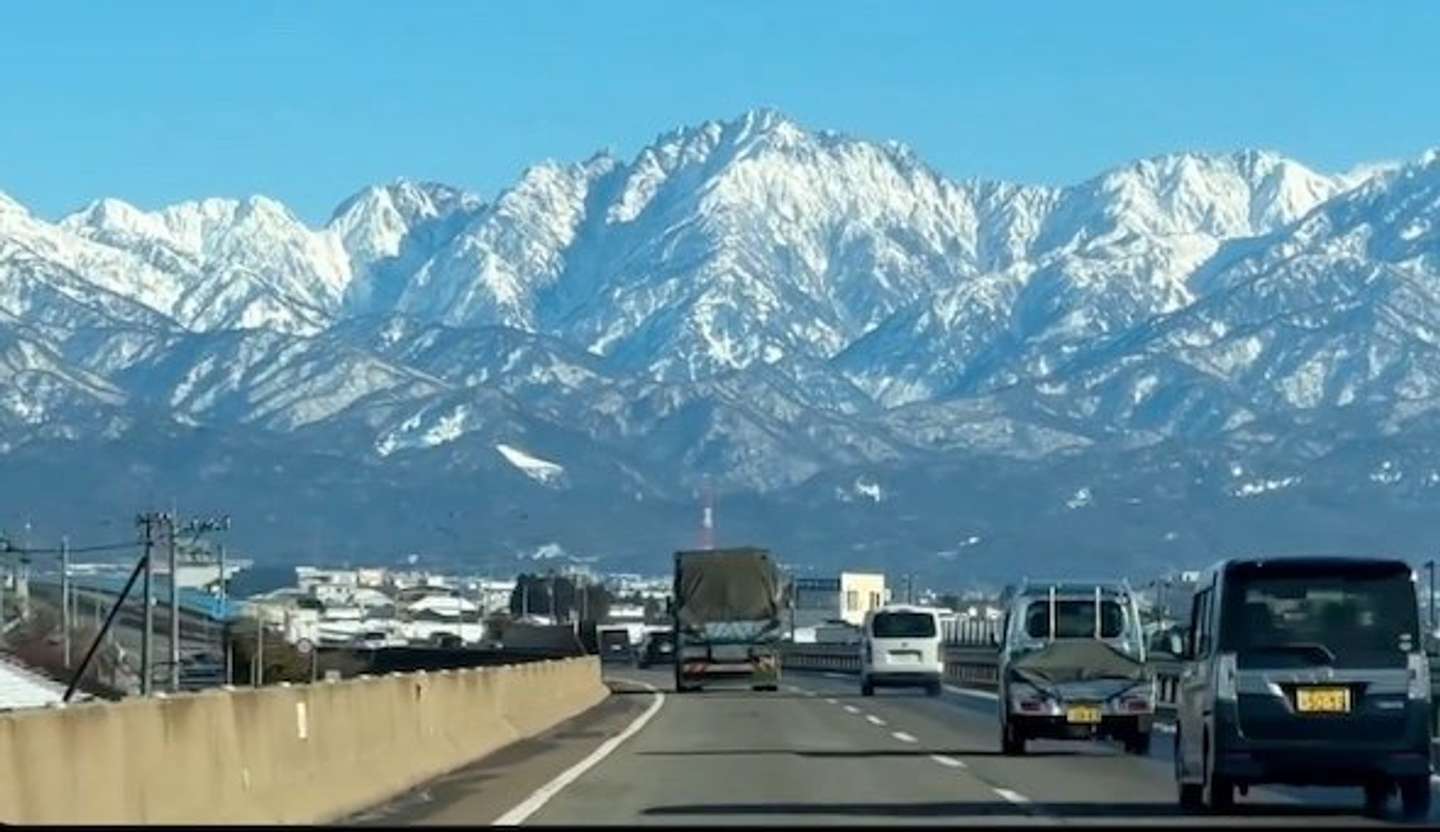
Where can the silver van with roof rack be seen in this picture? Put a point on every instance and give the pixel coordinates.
(1072, 665)
(1305, 671)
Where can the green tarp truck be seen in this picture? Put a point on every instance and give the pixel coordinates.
(728, 611)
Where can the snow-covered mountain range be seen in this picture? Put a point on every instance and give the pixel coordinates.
(805, 318)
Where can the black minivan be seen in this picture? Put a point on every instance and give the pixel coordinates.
(1305, 671)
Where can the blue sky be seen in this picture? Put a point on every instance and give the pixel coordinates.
(307, 102)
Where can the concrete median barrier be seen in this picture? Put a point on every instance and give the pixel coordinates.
(287, 754)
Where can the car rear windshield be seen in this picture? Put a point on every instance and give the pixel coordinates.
(1303, 615)
(903, 625)
(1074, 619)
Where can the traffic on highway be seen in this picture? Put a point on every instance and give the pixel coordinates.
(1304, 696)
(765, 414)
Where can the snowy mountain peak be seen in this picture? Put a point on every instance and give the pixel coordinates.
(9, 205)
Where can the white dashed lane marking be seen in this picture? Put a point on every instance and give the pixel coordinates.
(851, 709)
(903, 737)
(948, 762)
(832, 701)
(1013, 797)
(874, 720)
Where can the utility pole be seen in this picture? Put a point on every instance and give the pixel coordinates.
(22, 575)
(65, 621)
(259, 675)
(147, 657)
(1430, 566)
(174, 605)
(225, 620)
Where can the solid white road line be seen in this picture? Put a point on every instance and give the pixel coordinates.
(1013, 797)
(874, 720)
(949, 762)
(534, 802)
(982, 694)
(902, 736)
(851, 709)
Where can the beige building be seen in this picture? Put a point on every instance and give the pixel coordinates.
(861, 592)
(846, 597)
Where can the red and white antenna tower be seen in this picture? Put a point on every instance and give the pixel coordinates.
(707, 516)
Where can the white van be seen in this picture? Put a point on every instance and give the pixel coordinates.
(901, 647)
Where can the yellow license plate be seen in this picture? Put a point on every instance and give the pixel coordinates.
(1086, 714)
(1322, 700)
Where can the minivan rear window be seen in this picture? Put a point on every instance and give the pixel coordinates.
(1074, 619)
(1351, 615)
(903, 625)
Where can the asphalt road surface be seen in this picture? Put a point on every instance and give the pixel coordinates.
(816, 752)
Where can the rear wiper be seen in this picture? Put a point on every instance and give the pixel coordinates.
(1308, 648)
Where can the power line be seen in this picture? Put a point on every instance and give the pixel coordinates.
(7, 546)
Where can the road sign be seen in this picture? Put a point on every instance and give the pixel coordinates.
(304, 646)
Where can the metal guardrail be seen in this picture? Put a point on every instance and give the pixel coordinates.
(974, 667)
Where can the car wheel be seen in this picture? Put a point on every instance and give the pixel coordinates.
(1222, 794)
(1415, 796)
(1377, 794)
(1192, 797)
(867, 689)
(1138, 743)
(1219, 790)
(932, 689)
(1012, 742)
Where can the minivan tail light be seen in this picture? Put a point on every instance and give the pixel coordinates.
(1226, 668)
(1418, 664)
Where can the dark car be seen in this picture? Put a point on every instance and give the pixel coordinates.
(614, 645)
(656, 648)
(1305, 671)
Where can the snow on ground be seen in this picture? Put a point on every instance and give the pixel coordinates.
(541, 470)
(1080, 500)
(1250, 489)
(869, 488)
(1388, 474)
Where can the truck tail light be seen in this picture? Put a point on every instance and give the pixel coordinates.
(1418, 687)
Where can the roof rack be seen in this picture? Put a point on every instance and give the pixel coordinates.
(1074, 586)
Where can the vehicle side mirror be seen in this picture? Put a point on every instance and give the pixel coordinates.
(1432, 645)
(1170, 644)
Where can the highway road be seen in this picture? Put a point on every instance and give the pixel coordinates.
(817, 752)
